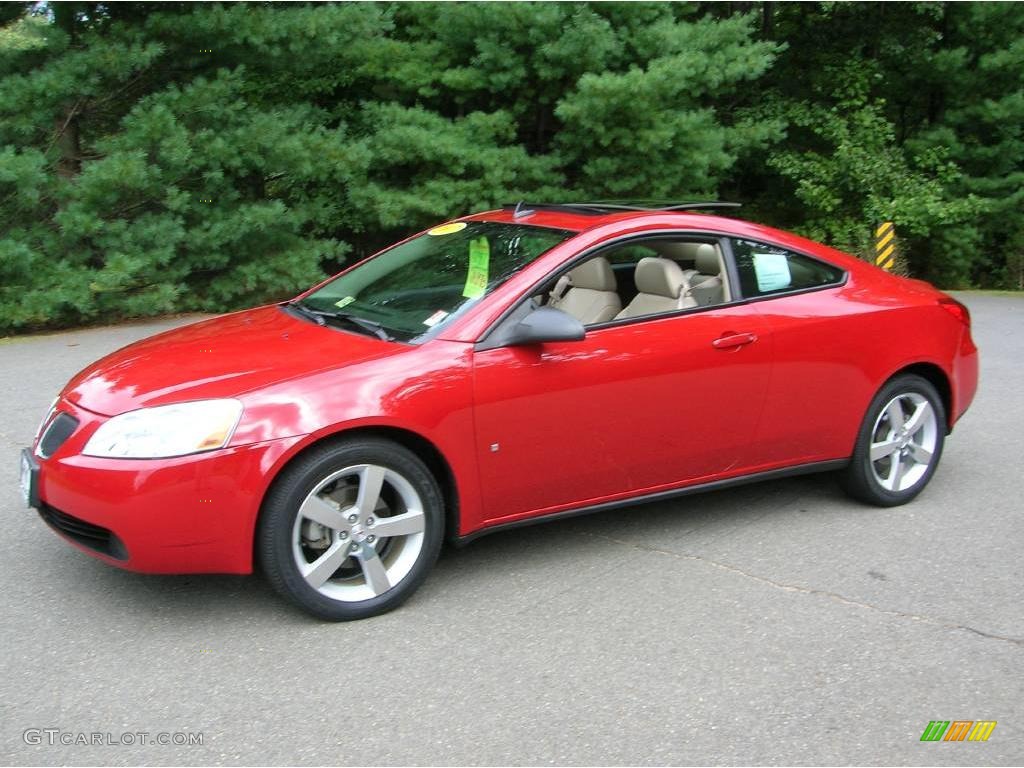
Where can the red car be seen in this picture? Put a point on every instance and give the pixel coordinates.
(506, 368)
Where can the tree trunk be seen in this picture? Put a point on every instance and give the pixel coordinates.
(767, 20)
(68, 142)
(66, 130)
(936, 94)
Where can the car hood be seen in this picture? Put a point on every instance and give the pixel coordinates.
(222, 357)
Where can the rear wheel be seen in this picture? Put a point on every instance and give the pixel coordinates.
(899, 444)
(351, 529)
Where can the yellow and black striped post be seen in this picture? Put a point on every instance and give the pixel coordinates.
(885, 248)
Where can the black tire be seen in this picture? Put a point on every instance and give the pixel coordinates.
(858, 479)
(280, 509)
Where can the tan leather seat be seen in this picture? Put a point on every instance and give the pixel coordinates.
(591, 297)
(706, 284)
(662, 286)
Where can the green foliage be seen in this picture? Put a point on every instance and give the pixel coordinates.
(910, 112)
(161, 157)
(847, 169)
(620, 126)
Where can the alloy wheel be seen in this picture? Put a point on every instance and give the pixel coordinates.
(903, 442)
(358, 533)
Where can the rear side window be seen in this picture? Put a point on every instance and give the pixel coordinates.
(767, 269)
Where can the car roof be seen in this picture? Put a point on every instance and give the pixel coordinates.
(554, 218)
(572, 221)
(582, 216)
(565, 218)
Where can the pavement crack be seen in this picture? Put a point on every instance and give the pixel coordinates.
(834, 596)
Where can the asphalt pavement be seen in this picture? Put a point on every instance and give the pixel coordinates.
(776, 623)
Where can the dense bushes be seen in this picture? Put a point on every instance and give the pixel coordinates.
(163, 156)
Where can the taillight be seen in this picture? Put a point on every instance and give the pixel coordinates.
(956, 309)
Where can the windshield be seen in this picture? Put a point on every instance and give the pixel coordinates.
(420, 286)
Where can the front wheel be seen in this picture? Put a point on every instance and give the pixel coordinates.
(351, 529)
(899, 444)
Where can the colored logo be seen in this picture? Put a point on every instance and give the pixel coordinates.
(958, 730)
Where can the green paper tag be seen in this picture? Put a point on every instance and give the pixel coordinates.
(344, 302)
(479, 264)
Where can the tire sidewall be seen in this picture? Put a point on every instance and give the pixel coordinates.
(860, 478)
(281, 507)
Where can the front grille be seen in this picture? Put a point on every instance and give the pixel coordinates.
(59, 430)
(88, 535)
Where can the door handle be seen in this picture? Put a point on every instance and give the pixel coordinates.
(733, 340)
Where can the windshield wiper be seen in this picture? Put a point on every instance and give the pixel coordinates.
(321, 316)
(367, 325)
(302, 309)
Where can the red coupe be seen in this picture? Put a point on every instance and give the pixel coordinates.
(509, 367)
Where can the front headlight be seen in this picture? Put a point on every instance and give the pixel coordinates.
(46, 418)
(166, 430)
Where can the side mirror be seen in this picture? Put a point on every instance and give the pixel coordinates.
(543, 325)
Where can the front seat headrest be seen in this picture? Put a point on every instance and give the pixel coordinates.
(595, 274)
(661, 277)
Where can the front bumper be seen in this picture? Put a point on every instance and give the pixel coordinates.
(190, 514)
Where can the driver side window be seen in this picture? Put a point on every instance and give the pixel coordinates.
(640, 279)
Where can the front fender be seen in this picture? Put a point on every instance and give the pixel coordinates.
(425, 391)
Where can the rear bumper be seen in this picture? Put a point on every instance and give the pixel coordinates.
(965, 377)
(191, 514)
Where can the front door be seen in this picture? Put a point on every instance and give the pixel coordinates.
(632, 408)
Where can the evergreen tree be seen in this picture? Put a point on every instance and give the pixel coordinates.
(161, 157)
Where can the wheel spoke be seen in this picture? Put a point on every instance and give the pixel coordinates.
(373, 569)
(918, 418)
(895, 472)
(322, 511)
(883, 449)
(399, 525)
(371, 480)
(895, 413)
(321, 569)
(921, 454)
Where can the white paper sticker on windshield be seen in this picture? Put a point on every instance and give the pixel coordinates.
(344, 302)
(772, 270)
(435, 318)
